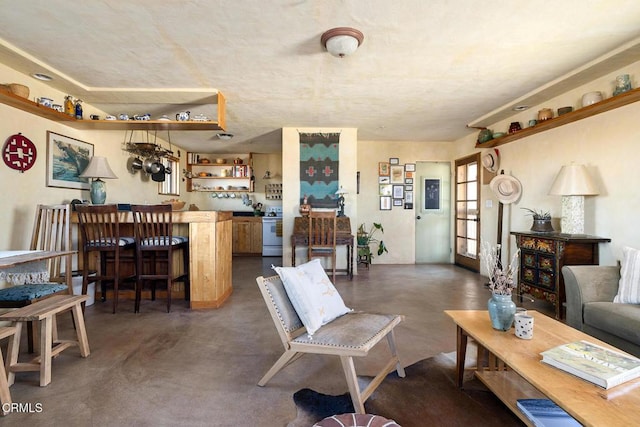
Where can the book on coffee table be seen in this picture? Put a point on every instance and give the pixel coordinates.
(545, 413)
(594, 363)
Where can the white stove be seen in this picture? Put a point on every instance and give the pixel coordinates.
(272, 231)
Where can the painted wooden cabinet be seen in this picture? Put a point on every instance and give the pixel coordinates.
(542, 256)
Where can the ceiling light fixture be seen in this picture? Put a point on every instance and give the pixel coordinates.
(342, 41)
(41, 76)
(520, 108)
(225, 136)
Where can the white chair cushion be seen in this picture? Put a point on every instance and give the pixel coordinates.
(629, 285)
(312, 294)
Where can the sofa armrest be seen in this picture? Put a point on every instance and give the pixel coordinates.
(588, 283)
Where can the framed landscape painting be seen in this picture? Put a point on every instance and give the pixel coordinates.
(66, 159)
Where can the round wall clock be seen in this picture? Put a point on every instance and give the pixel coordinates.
(19, 152)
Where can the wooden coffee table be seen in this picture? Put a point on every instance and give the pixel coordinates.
(515, 370)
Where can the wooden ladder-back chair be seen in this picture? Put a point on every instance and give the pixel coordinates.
(155, 242)
(100, 228)
(51, 232)
(322, 237)
(351, 335)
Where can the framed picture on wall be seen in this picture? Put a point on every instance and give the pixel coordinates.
(410, 167)
(397, 202)
(384, 180)
(385, 203)
(385, 190)
(67, 158)
(398, 192)
(409, 175)
(408, 188)
(394, 161)
(383, 169)
(397, 174)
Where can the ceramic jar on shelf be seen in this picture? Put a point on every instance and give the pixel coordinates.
(514, 127)
(545, 114)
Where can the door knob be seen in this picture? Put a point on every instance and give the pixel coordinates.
(418, 217)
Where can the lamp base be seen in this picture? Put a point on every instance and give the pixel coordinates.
(572, 215)
(98, 192)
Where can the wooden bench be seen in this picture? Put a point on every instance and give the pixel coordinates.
(5, 395)
(45, 312)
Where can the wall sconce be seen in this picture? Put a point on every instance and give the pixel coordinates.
(573, 183)
(98, 168)
(342, 41)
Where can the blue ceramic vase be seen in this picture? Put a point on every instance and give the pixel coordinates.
(502, 310)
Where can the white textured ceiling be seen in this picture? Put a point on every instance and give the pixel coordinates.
(425, 70)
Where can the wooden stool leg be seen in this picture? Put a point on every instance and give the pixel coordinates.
(5, 394)
(46, 344)
(81, 331)
(12, 352)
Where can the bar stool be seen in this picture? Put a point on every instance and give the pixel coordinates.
(155, 243)
(100, 228)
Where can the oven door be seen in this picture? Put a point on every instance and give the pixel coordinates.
(271, 236)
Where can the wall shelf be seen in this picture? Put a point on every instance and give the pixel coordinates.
(582, 113)
(24, 104)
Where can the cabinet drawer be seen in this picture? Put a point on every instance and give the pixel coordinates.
(539, 278)
(538, 244)
(538, 260)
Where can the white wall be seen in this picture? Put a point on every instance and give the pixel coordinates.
(606, 143)
(291, 183)
(398, 223)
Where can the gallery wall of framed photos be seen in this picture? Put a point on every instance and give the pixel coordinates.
(395, 184)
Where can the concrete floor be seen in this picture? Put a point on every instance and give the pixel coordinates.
(197, 368)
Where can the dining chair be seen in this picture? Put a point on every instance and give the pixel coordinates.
(350, 335)
(51, 232)
(155, 243)
(100, 230)
(322, 237)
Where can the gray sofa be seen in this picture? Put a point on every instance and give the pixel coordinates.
(590, 308)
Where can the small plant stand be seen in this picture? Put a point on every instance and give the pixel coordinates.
(364, 255)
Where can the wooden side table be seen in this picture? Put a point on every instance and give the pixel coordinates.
(542, 256)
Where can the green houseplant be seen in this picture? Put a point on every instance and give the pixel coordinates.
(541, 220)
(366, 238)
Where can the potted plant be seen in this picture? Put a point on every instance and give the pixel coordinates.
(541, 220)
(366, 238)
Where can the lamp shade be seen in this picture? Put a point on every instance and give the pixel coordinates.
(573, 180)
(341, 191)
(342, 41)
(98, 168)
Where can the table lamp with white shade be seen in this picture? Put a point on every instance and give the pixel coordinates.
(573, 183)
(98, 168)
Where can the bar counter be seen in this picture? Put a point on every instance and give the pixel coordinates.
(210, 271)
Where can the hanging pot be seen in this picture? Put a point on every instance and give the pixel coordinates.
(151, 165)
(134, 164)
(158, 176)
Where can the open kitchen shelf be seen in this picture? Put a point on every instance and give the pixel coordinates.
(24, 104)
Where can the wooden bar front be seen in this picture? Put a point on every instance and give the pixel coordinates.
(210, 259)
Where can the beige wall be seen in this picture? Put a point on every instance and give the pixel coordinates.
(398, 223)
(608, 144)
(291, 183)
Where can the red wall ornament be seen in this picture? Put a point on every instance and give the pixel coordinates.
(19, 152)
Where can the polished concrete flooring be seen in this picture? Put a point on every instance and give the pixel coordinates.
(200, 368)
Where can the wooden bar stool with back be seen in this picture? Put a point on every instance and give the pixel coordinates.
(100, 229)
(155, 244)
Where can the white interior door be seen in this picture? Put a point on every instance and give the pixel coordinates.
(432, 188)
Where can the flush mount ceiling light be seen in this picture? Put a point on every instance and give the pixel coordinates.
(225, 136)
(520, 108)
(41, 76)
(342, 41)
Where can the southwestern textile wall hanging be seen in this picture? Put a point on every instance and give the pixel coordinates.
(319, 169)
